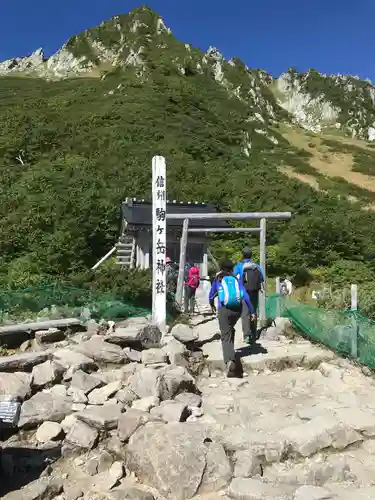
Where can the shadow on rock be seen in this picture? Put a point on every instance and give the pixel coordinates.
(251, 350)
(199, 343)
(20, 466)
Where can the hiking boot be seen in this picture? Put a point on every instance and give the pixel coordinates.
(234, 369)
(231, 369)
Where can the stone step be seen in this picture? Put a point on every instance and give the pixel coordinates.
(269, 355)
(124, 251)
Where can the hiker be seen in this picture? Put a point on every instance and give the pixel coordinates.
(192, 282)
(232, 298)
(252, 277)
(286, 287)
(171, 275)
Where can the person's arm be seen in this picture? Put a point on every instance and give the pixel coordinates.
(247, 300)
(213, 291)
(212, 295)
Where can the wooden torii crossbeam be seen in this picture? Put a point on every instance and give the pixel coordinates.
(263, 216)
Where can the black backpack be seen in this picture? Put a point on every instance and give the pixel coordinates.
(251, 277)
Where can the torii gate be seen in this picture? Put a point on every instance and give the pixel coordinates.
(159, 241)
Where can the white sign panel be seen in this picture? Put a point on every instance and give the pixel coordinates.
(159, 242)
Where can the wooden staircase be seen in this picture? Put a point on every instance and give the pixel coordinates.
(125, 251)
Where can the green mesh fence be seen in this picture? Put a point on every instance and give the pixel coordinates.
(346, 332)
(58, 301)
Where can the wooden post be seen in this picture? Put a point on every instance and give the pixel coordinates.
(181, 270)
(263, 296)
(205, 261)
(159, 242)
(354, 297)
(354, 308)
(278, 285)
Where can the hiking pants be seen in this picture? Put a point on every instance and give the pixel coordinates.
(189, 299)
(227, 321)
(249, 328)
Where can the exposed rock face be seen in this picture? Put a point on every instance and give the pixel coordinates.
(306, 98)
(312, 113)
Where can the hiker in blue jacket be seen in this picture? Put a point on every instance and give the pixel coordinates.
(232, 298)
(251, 276)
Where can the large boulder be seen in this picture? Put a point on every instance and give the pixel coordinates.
(101, 352)
(137, 333)
(169, 457)
(44, 406)
(14, 386)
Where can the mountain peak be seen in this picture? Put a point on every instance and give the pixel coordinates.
(141, 42)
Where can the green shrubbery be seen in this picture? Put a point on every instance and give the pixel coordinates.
(71, 151)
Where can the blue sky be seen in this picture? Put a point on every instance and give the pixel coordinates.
(333, 36)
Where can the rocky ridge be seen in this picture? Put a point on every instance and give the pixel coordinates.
(124, 413)
(141, 42)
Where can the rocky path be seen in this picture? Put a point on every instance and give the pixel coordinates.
(117, 413)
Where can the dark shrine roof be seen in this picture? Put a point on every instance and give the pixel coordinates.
(138, 214)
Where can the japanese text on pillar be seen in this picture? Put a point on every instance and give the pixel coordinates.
(160, 230)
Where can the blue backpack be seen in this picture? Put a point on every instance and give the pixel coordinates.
(230, 292)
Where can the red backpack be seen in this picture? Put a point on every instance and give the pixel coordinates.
(194, 277)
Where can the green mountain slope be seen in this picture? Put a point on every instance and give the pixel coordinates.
(71, 150)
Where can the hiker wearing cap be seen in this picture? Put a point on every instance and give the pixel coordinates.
(251, 276)
(232, 298)
(171, 274)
